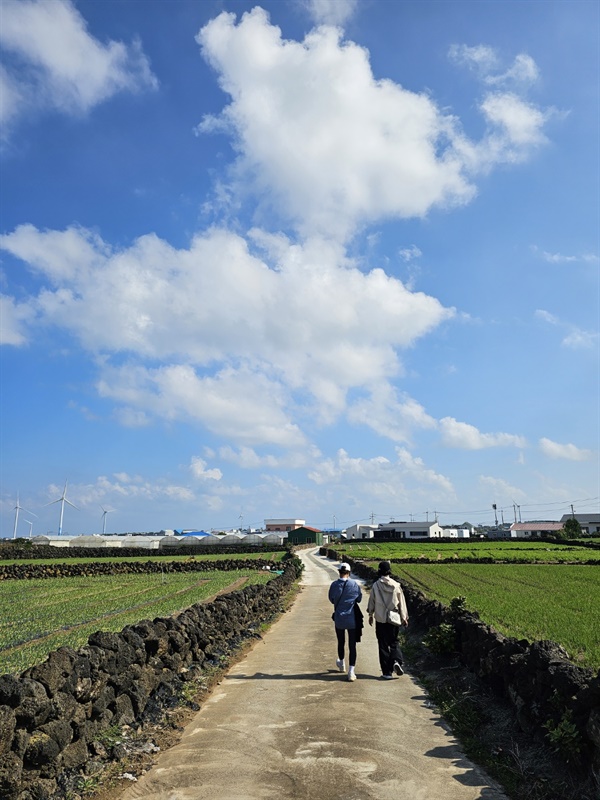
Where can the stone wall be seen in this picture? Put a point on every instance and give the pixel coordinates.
(52, 715)
(12, 552)
(137, 566)
(538, 679)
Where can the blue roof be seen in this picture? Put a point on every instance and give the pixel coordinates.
(192, 533)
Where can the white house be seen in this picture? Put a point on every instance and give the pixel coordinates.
(456, 533)
(590, 523)
(409, 530)
(360, 531)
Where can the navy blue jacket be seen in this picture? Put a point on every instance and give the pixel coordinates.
(344, 593)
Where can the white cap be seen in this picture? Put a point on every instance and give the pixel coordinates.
(344, 567)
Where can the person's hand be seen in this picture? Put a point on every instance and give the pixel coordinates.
(371, 620)
(405, 623)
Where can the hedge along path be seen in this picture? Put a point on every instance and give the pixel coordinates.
(66, 611)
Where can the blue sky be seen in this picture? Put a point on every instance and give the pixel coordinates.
(316, 259)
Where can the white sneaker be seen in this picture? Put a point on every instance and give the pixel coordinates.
(340, 665)
(398, 669)
(388, 677)
(351, 675)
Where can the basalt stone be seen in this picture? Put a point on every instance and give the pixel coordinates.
(41, 749)
(20, 741)
(39, 789)
(8, 724)
(11, 770)
(124, 680)
(11, 691)
(63, 706)
(75, 755)
(60, 730)
(123, 710)
(104, 699)
(55, 671)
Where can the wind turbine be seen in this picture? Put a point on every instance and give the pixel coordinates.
(18, 508)
(105, 511)
(30, 523)
(62, 500)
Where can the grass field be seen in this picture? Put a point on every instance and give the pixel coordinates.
(266, 555)
(531, 602)
(37, 616)
(515, 552)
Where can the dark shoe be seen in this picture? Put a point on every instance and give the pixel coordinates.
(388, 677)
(398, 669)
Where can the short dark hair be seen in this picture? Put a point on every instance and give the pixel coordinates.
(385, 568)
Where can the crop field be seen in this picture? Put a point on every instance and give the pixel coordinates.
(513, 552)
(37, 616)
(531, 602)
(265, 555)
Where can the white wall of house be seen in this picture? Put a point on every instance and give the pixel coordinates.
(284, 524)
(360, 531)
(412, 530)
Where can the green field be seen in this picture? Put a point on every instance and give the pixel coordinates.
(37, 616)
(514, 552)
(531, 602)
(266, 555)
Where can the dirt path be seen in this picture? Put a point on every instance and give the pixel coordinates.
(285, 724)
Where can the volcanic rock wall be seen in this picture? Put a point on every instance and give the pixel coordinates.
(52, 715)
(537, 678)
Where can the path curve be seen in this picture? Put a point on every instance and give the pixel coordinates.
(284, 723)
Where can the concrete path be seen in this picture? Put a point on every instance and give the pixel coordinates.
(285, 724)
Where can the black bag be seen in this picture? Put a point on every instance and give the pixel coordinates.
(359, 621)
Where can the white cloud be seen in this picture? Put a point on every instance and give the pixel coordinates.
(410, 253)
(501, 490)
(520, 125)
(65, 67)
(567, 451)
(331, 12)
(560, 258)
(366, 473)
(485, 61)
(238, 404)
(199, 471)
(463, 436)
(389, 416)
(14, 320)
(575, 338)
(481, 58)
(269, 323)
(327, 142)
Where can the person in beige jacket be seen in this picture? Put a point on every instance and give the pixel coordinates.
(387, 595)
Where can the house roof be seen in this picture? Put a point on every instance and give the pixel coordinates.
(536, 526)
(582, 518)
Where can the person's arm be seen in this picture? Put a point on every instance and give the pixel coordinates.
(371, 604)
(402, 606)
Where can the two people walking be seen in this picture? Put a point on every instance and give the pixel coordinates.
(386, 595)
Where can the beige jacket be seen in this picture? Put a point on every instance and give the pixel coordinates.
(386, 594)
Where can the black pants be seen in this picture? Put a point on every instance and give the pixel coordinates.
(341, 639)
(389, 647)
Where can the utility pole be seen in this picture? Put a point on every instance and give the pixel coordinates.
(495, 513)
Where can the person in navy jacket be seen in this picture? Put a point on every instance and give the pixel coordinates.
(344, 593)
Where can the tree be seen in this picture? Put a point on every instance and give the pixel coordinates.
(572, 528)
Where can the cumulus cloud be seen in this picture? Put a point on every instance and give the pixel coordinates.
(501, 490)
(56, 63)
(567, 451)
(379, 475)
(485, 61)
(260, 330)
(463, 436)
(200, 472)
(14, 321)
(390, 416)
(331, 12)
(331, 145)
